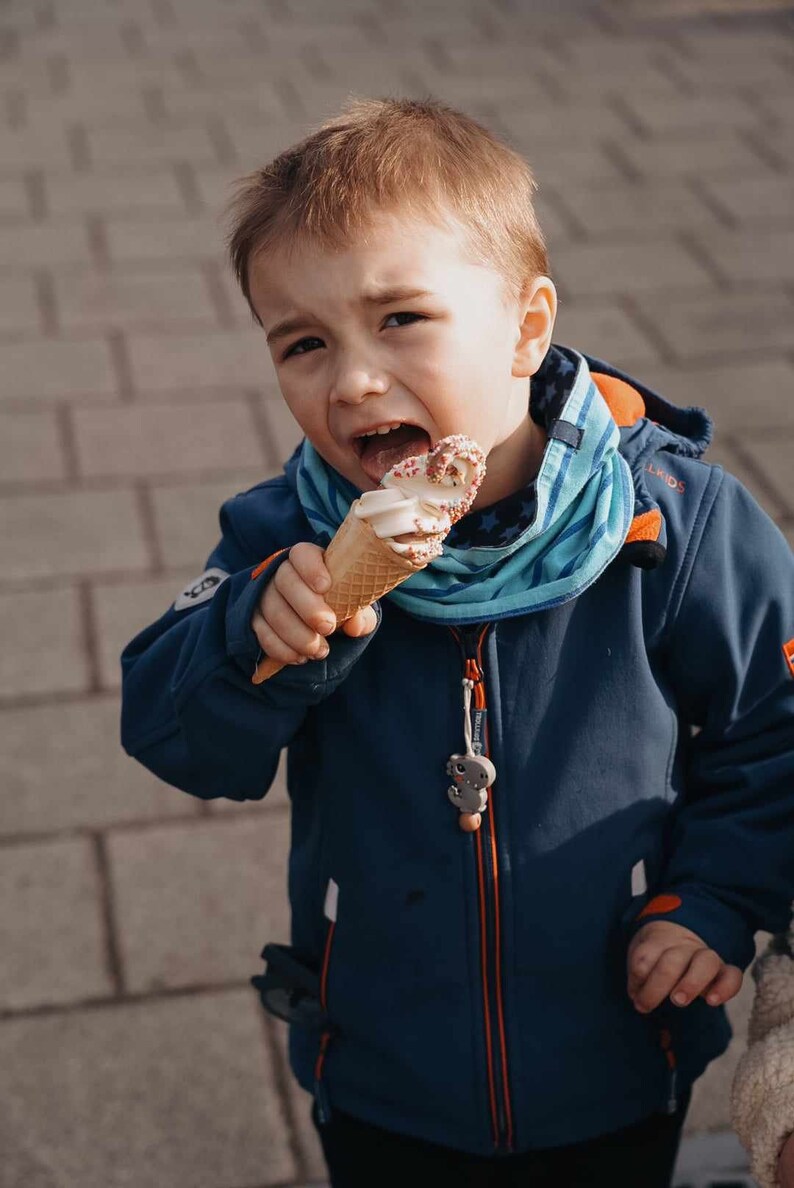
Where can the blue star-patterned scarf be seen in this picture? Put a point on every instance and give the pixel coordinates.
(579, 510)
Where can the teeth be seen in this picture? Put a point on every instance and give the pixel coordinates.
(383, 429)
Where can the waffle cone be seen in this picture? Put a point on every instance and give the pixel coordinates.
(362, 567)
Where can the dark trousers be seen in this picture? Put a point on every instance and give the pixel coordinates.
(363, 1156)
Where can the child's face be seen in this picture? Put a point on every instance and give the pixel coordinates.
(435, 364)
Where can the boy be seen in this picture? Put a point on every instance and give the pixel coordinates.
(503, 1005)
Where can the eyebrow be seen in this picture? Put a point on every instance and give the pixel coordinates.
(378, 297)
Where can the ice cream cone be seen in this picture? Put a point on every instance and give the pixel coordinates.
(362, 567)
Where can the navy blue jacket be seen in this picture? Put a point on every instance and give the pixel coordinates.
(473, 986)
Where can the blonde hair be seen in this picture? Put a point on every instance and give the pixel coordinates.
(416, 156)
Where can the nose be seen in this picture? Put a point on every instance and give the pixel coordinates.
(356, 380)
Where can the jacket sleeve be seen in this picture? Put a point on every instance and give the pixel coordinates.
(189, 711)
(762, 1098)
(730, 866)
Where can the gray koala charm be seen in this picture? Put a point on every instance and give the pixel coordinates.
(472, 774)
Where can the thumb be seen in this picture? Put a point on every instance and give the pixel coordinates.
(363, 622)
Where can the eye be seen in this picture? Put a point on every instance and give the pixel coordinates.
(406, 314)
(304, 343)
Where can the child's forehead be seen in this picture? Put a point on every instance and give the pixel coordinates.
(392, 252)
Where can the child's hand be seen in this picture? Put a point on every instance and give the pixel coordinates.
(665, 958)
(293, 618)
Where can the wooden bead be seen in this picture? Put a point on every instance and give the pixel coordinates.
(470, 822)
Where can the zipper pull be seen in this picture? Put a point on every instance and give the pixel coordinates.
(322, 1102)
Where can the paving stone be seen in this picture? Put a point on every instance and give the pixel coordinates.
(743, 70)
(166, 439)
(627, 267)
(195, 903)
(779, 145)
(130, 146)
(603, 330)
(127, 299)
(283, 430)
(256, 97)
(51, 891)
(216, 186)
(570, 124)
(170, 1092)
(565, 165)
(690, 113)
(223, 359)
(751, 255)
(122, 609)
(70, 532)
(636, 210)
(773, 456)
(187, 515)
(14, 200)
(730, 391)
(49, 370)
(758, 200)
(483, 97)
(30, 448)
(722, 324)
(595, 82)
(234, 302)
(19, 307)
(710, 1159)
(256, 143)
(721, 45)
(43, 646)
(25, 247)
(20, 151)
(184, 240)
(62, 767)
(709, 153)
(101, 192)
(556, 226)
(82, 104)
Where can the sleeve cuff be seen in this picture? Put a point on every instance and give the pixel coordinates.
(721, 927)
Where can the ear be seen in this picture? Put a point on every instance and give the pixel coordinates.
(537, 311)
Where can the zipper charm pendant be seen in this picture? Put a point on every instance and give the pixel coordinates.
(472, 773)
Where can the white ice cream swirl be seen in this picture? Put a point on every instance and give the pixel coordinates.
(422, 497)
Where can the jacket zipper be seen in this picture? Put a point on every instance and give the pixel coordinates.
(470, 640)
(320, 1092)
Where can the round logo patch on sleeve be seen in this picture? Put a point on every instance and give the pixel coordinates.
(200, 589)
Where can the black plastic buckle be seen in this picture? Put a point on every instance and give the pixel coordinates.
(290, 987)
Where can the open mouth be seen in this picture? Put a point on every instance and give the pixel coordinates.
(379, 451)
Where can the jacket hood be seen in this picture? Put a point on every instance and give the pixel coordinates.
(648, 424)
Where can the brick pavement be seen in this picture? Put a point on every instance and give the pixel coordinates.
(136, 396)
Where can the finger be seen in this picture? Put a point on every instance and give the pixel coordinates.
(271, 644)
(308, 561)
(363, 622)
(643, 955)
(289, 629)
(701, 972)
(664, 975)
(727, 983)
(310, 607)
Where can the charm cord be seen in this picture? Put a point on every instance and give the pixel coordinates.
(471, 772)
